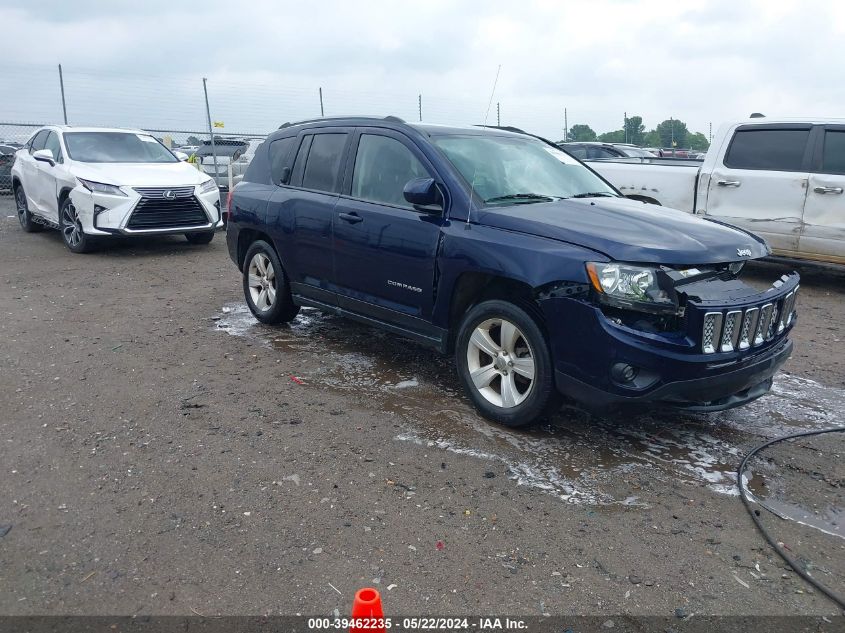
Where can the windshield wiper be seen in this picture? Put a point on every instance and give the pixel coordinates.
(595, 194)
(537, 197)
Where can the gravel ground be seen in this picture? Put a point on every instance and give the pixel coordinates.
(164, 454)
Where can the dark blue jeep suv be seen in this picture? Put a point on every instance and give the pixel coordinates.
(506, 251)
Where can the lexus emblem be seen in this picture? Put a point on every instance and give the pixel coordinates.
(741, 252)
(171, 195)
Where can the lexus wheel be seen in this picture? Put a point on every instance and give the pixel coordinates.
(24, 216)
(266, 287)
(504, 363)
(71, 228)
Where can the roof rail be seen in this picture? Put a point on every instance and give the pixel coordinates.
(394, 119)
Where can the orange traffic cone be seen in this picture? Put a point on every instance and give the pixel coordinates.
(367, 611)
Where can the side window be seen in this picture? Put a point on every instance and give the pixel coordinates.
(833, 156)
(279, 152)
(38, 141)
(383, 166)
(578, 151)
(301, 157)
(54, 146)
(322, 169)
(778, 150)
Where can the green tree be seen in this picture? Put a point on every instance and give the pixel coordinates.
(697, 141)
(635, 130)
(672, 133)
(651, 139)
(192, 140)
(581, 132)
(616, 136)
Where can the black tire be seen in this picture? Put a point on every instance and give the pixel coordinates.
(71, 229)
(200, 238)
(538, 396)
(24, 216)
(281, 309)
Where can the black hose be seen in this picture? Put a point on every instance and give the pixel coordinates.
(755, 514)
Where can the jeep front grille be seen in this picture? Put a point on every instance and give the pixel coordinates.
(729, 330)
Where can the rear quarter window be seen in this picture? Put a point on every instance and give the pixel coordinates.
(776, 150)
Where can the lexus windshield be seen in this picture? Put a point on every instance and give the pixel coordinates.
(506, 170)
(116, 147)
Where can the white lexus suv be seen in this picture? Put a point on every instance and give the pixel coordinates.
(92, 183)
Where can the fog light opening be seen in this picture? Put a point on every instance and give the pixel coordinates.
(623, 373)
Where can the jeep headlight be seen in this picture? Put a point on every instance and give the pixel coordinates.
(630, 287)
(208, 185)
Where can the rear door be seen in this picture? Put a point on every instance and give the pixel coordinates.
(760, 183)
(823, 230)
(386, 250)
(31, 174)
(300, 212)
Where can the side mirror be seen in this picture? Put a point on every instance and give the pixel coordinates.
(423, 194)
(285, 176)
(180, 155)
(45, 156)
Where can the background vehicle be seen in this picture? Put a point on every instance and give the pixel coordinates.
(781, 178)
(92, 183)
(227, 151)
(598, 151)
(7, 157)
(499, 247)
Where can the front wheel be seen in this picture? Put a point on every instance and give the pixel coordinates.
(266, 287)
(200, 238)
(71, 228)
(24, 216)
(504, 363)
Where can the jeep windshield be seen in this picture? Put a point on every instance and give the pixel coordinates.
(116, 147)
(508, 170)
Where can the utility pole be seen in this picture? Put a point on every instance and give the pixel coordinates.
(210, 129)
(672, 126)
(625, 125)
(710, 140)
(62, 88)
(321, 101)
(419, 98)
(565, 127)
(498, 115)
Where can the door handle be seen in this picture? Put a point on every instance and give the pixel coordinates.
(728, 183)
(827, 189)
(352, 218)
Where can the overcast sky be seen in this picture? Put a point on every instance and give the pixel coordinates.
(140, 63)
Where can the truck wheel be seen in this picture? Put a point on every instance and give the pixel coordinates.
(504, 363)
(266, 286)
(24, 216)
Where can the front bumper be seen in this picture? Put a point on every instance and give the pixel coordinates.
(679, 369)
(103, 214)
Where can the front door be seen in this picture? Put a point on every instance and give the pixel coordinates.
(823, 230)
(385, 249)
(761, 182)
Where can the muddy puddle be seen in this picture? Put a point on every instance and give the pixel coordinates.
(576, 457)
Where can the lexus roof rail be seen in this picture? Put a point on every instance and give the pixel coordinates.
(395, 119)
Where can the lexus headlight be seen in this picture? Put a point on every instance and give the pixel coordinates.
(208, 185)
(631, 287)
(100, 187)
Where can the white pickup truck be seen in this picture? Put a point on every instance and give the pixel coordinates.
(782, 179)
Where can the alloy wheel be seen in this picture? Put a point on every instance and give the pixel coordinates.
(20, 201)
(71, 226)
(262, 282)
(501, 363)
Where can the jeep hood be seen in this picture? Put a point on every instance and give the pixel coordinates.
(629, 231)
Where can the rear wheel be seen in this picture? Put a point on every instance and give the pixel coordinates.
(504, 363)
(71, 228)
(200, 238)
(24, 216)
(266, 286)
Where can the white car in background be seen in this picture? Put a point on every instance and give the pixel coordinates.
(93, 183)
